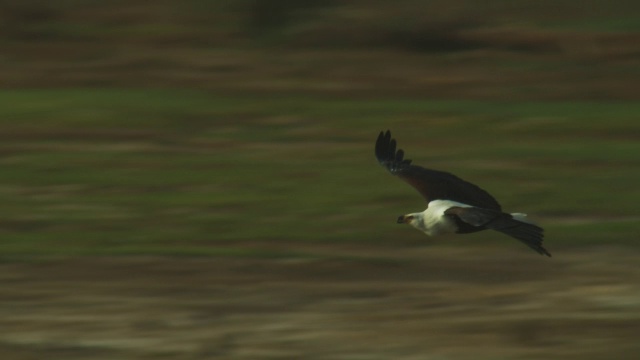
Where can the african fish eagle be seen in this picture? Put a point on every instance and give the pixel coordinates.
(453, 205)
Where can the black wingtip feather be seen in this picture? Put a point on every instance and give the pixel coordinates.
(387, 152)
(382, 146)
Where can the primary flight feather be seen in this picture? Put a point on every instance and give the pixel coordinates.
(454, 205)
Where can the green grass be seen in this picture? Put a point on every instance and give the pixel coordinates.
(599, 24)
(117, 171)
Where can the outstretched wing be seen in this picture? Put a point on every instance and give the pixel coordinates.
(431, 184)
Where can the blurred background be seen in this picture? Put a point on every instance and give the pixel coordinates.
(196, 179)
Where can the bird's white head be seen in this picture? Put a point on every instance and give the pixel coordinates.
(413, 219)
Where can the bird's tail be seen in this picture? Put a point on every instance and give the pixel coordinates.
(518, 226)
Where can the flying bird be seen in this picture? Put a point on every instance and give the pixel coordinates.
(454, 205)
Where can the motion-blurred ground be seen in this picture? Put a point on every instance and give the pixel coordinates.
(195, 180)
(430, 304)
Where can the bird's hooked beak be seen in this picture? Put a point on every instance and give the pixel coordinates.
(404, 219)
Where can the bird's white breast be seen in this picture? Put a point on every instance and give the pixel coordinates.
(434, 222)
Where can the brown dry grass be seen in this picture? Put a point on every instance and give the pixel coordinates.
(428, 302)
(482, 74)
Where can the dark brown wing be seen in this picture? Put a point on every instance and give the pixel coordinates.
(432, 184)
(530, 234)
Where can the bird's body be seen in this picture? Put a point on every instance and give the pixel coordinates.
(433, 221)
(454, 205)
